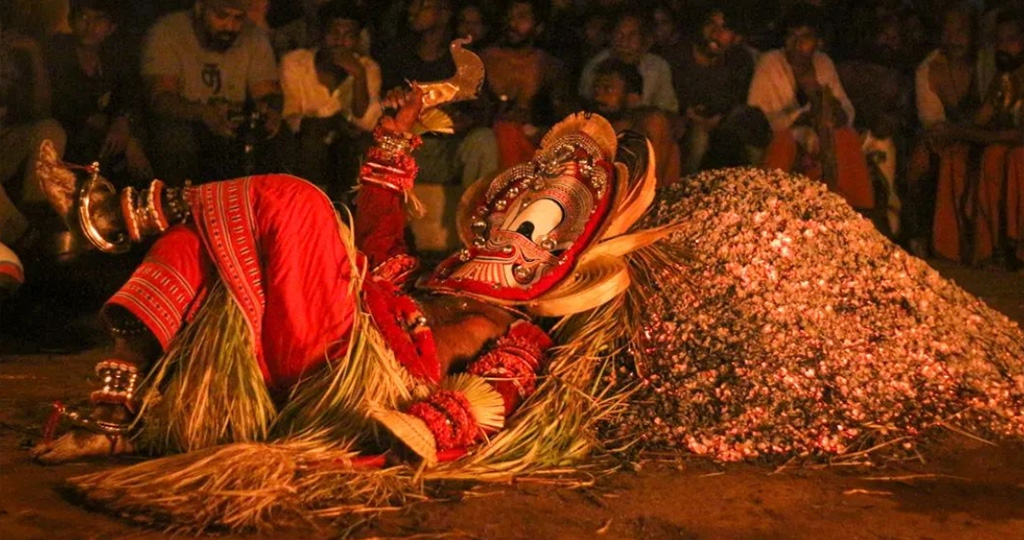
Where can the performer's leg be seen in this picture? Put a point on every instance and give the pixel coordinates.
(142, 316)
(307, 268)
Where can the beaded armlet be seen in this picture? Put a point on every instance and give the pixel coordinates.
(389, 163)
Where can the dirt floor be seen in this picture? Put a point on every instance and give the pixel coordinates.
(965, 489)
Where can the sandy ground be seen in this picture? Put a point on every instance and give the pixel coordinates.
(964, 489)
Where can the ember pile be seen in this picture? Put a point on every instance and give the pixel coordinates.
(789, 327)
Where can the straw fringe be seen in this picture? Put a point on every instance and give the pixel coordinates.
(207, 389)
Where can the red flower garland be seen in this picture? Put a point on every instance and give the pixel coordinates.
(447, 415)
(404, 328)
(511, 366)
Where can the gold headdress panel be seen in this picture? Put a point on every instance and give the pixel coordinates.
(550, 235)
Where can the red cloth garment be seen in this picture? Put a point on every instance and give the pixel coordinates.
(513, 145)
(854, 178)
(274, 241)
(978, 208)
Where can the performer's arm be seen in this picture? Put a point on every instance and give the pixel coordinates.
(385, 179)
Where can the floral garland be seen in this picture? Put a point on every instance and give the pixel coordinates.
(447, 415)
(511, 366)
(404, 328)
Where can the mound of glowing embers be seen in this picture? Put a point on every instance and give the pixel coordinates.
(790, 327)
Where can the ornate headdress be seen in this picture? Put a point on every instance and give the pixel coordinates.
(549, 235)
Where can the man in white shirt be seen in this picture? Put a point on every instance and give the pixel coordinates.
(331, 99)
(631, 40)
(798, 89)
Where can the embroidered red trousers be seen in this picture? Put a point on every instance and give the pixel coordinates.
(274, 241)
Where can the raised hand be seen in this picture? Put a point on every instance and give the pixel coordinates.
(409, 102)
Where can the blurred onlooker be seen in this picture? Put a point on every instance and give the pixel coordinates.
(446, 162)
(711, 81)
(617, 90)
(301, 28)
(979, 205)
(880, 92)
(575, 36)
(947, 97)
(474, 20)
(798, 89)
(529, 83)
(668, 41)
(331, 100)
(24, 123)
(1000, 221)
(631, 40)
(94, 93)
(201, 67)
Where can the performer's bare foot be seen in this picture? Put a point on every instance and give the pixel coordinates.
(80, 443)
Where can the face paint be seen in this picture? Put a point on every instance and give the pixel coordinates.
(531, 223)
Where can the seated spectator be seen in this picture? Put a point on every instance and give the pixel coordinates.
(711, 81)
(879, 91)
(947, 100)
(94, 94)
(631, 40)
(668, 40)
(575, 36)
(798, 90)
(473, 20)
(617, 90)
(331, 101)
(529, 84)
(300, 26)
(201, 67)
(979, 212)
(424, 56)
(446, 163)
(24, 124)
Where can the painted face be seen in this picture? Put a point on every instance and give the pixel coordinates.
(531, 223)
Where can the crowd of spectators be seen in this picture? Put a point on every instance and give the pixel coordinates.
(911, 110)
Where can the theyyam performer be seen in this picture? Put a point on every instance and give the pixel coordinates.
(280, 352)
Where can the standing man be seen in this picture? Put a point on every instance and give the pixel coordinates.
(201, 67)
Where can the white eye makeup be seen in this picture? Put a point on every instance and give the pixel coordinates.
(537, 219)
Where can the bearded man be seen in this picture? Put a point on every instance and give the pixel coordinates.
(530, 84)
(200, 67)
(711, 81)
